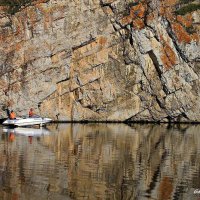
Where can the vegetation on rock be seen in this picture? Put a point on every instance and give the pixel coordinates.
(186, 1)
(188, 8)
(14, 5)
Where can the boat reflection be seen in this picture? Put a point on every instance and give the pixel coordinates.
(27, 131)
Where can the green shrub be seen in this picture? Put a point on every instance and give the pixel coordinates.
(14, 5)
(186, 1)
(187, 9)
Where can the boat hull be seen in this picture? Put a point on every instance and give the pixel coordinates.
(27, 122)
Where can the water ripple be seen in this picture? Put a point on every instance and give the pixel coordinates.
(101, 161)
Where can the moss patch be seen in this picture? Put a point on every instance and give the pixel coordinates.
(188, 9)
(186, 1)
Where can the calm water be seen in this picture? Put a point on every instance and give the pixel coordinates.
(100, 161)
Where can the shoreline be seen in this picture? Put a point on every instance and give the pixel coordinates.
(116, 122)
(119, 122)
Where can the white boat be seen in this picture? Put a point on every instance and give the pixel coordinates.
(27, 121)
(27, 131)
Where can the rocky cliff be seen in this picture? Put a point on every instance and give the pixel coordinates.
(104, 60)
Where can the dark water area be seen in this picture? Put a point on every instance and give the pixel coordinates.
(100, 161)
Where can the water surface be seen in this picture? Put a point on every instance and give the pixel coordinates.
(100, 161)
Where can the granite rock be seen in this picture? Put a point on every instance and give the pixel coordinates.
(101, 60)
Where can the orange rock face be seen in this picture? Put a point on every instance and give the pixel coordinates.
(181, 33)
(185, 20)
(138, 24)
(135, 17)
(168, 57)
(137, 11)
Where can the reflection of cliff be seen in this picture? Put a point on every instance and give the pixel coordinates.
(104, 161)
(117, 161)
